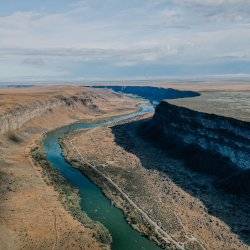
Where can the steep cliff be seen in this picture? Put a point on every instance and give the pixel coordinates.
(210, 144)
(15, 118)
(153, 94)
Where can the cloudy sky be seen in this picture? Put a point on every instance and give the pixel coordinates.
(117, 39)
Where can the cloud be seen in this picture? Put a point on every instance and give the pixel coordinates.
(34, 61)
(130, 34)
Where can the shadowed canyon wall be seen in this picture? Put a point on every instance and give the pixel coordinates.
(210, 144)
(16, 118)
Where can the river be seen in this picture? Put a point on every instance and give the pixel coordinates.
(97, 206)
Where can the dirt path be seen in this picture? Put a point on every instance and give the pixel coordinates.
(166, 237)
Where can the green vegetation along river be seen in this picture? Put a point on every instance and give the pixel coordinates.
(97, 206)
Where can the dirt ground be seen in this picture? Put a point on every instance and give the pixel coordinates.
(183, 202)
(12, 98)
(31, 215)
(235, 104)
(227, 86)
(208, 85)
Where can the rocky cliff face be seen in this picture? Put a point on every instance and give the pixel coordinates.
(153, 94)
(208, 143)
(20, 115)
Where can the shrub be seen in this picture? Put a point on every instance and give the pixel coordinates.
(12, 135)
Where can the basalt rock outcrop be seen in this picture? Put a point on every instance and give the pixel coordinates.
(208, 143)
(153, 94)
(18, 116)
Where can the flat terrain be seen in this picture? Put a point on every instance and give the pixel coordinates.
(215, 85)
(19, 97)
(235, 104)
(13, 98)
(226, 98)
(233, 86)
(31, 213)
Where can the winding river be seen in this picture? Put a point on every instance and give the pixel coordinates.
(97, 206)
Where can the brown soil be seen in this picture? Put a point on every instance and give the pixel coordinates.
(210, 86)
(137, 168)
(31, 214)
(215, 85)
(235, 104)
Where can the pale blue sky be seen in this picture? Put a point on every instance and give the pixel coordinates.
(117, 39)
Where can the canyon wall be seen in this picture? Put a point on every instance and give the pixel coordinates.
(208, 143)
(153, 94)
(18, 116)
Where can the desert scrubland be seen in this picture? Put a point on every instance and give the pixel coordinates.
(234, 104)
(186, 203)
(34, 213)
(40, 210)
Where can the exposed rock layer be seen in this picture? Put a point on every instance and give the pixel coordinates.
(18, 116)
(208, 143)
(32, 213)
(153, 94)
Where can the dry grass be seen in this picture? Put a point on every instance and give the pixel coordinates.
(14, 137)
(160, 192)
(69, 197)
(32, 213)
(235, 104)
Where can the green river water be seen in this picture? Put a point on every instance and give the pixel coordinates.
(97, 206)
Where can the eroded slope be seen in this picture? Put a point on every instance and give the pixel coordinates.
(32, 215)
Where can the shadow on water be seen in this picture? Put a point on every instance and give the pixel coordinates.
(231, 209)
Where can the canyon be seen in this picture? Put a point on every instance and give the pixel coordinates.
(180, 175)
(39, 210)
(208, 143)
(187, 169)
